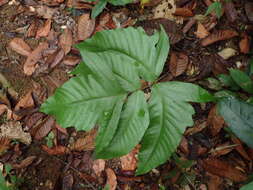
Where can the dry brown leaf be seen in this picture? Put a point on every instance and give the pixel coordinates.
(214, 182)
(222, 149)
(32, 30)
(2, 2)
(98, 166)
(20, 46)
(85, 143)
(219, 36)
(240, 149)
(32, 119)
(249, 10)
(45, 12)
(57, 58)
(129, 161)
(111, 179)
(245, 44)
(71, 60)
(66, 40)
(57, 150)
(24, 163)
(13, 130)
(79, 4)
(52, 2)
(44, 128)
(44, 30)
(178, 63)
(215, 121)
(184, 146)
(3, 109)
(4, 144)
(201, 31)
(85, 27)
(223, 169)
(25, 102)
(185, 12)
(34, 57)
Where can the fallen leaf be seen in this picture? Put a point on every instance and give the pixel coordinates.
(52, 2)
(24, 163)
(244, 44)
(249, 10)
(214, 182)
(45, 12)
(185, 12)
(201, 31)
(111, 179)
(67, 182)
(44, 128)
(32, 30)
(222, 149)
(44, 30)
(223, 169)
(33, 58)
(178, 63)
(4, 144)
(32, 119)
(240, 149)
(98, 166)
(71, 60)
(85, 27)
(230, 11)
(2, 2)
(184, 146)
(129, 161)
(215, 121)
(226, 53)
(56, 150)
(13, 130)
(25, 102)
(3, 109)
(20, 46)
(79, 4)
(58, 57)
(66, 40)
(218, 36)
(85, 143)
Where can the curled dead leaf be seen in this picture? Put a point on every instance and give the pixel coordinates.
(71, 60)
(178, 63)
(129, 161)
(24, 163)
(34, 57)
(44, 30)
(185, 12)
(201, 31)
(223, 169)
(215, 121)
(85, 143)
(57, 150)
(245, 44)
(219, 36)
(111, 179)
(44, 128)
(66, 40)
(98, 166)
(85, 27)
(20, 46)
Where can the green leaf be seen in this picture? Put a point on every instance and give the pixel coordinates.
(98, 8)
(147, 53)
(227, 81)
(242, 80)
(170, 114)
(216, 7)
(81, 101)
(251, 66)
(133, 123)
(225, 94)
(120, 2)
(238, 116)
(249, 186)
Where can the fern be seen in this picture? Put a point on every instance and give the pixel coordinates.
(107, 91)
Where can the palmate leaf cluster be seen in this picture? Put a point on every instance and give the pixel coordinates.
(107, 91)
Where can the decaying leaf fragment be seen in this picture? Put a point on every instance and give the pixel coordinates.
(20, 46)
(165, 9)
(111, 179)
(219, 36)
(178, 63)
(85, 27)
(13, 130)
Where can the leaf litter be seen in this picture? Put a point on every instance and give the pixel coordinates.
(58, 56)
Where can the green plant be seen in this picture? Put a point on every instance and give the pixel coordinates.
(236, 111)
(14, 181)
(102, 3)
(215, 7)
(107, 91)
(248, 186)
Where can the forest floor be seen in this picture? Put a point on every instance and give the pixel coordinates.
(37, 53)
